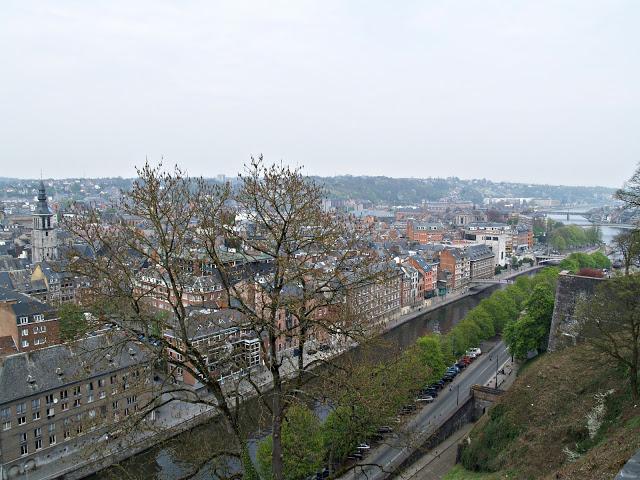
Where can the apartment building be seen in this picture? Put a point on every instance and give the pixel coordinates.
(456, 267)
(59, 400)
(423, 232)
(224, 340)
(481, 261)
(32, 324)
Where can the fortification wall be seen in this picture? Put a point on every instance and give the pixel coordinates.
(564, 326)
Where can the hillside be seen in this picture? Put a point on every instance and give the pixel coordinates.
(399, 191)
(542, 422)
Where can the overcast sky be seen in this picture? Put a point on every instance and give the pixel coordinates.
(532, 91)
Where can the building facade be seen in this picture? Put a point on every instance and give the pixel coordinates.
(32, 324)
(60, 400)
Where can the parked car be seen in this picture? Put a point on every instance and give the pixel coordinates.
(476, 350)
(322, 474)
(385, 429)
(461, 365)
(426, 399)
(363, 446)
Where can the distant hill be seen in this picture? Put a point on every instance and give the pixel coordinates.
(398, 191)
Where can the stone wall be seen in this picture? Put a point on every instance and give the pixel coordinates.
(570, 289)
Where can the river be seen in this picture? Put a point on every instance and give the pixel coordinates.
(607, 232)
(171, 459)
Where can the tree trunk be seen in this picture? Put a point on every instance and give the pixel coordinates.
(277, 466)
(634, 369)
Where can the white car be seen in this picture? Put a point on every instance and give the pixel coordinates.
(476, 351)
(427, 399)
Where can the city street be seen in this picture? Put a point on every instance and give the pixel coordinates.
(387, 457)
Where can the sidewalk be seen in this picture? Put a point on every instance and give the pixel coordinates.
(435, 464)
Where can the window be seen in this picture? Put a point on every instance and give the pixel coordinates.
(76, 390)
(23, 437)
(51, 412)
(37, 432)
(131, 399)
(49, 399)
(24, 450)
(25, 332)
(64, 406)
(35, 404)
(90, 387)
(38, 443)
(40, 341)
(35, 416)
(51, 427)
(113, 379)
(90, 398)
(52, 439)
(6, 425)
(102, 394)
(92, 413)
(67, 434)
(76, 402)
(114, 405)
(24, 343)
(38, 318)
(5, 413)
(63, 394)
(23, 320)
(21, 408)
(22, 420)
(101, 383)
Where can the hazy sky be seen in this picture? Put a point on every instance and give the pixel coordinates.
(534, 91)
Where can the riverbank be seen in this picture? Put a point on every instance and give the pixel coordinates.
(179, 417)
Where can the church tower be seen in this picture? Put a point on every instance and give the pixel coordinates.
(44, 245)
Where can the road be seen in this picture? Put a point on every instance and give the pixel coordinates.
(387, 457)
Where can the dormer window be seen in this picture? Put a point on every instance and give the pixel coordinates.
(23, 320)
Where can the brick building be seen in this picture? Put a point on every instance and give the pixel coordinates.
(425, 232)
(30, 323)
(455, 262)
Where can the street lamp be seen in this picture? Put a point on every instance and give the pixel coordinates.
(497, 355)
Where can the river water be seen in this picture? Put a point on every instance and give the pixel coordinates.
(607, 232)
(172, 459)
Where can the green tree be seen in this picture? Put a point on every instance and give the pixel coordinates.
(501, 308)
(430, 352)
(482, 319)
(73, 322)
(531, 330)
(302, 445)
(558, 242)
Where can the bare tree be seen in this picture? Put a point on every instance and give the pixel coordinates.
(630, 193)
(610, 322)
(294, 277)
(627, 243)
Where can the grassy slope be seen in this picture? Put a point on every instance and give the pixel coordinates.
(545, 411)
